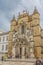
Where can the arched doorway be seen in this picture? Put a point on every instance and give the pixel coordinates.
(23, 49)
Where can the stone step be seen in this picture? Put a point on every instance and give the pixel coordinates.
(18, 62)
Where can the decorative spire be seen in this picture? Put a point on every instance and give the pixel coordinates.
(25, 11)
(19, 13)
(35, 11)
(13, 19)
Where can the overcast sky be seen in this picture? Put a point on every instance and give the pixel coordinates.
(8, 8)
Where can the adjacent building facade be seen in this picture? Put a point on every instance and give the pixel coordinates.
(3, 43)
(24, 40)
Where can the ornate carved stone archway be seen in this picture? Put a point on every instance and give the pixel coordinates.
(21, 48)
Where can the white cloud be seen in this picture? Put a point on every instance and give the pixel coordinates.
(12, 7)
(4, 21)
(29, 5)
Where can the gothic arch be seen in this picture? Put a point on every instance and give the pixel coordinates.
(21, 48)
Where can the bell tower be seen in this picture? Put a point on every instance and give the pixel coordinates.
(13, 23)
(12, 29)
(36, 32)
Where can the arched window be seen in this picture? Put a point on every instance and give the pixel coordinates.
(20, 52)
(25, 52)
(22, 29)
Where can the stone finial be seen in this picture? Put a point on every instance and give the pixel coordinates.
(35, 11)
(19, 13)
(25, 11)
(13, 19)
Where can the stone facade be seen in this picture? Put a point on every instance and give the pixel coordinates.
(25, 36)
(24, 39)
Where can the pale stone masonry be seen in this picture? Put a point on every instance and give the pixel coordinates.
(27, 36)
(24, 40)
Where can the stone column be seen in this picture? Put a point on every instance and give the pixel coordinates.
(31, 52)
(13, 52)
(32, 49)
(23, 52)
